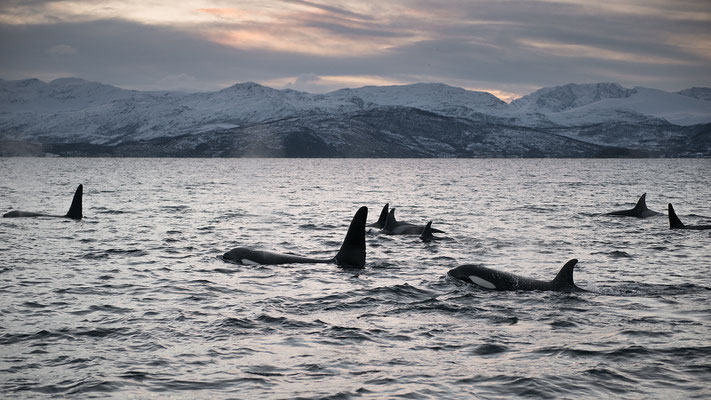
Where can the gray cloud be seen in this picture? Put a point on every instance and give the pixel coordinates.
(511, 46)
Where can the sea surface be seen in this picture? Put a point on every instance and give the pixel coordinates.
(134, 301)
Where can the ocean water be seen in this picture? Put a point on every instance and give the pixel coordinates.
(134, 301)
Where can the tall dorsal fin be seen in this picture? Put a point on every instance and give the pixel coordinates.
(391, 222)
(426, 235)
(641, 203)
(75, 210)
(564, 279)
(383, 216)
(674, 221)
(352, 252)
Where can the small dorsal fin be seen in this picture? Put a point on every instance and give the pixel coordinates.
(426, 235)
(75, 210)
(674, 221)
(383, 216)
(564, 279)
(352, 252)
(391, 222)
(641, 203)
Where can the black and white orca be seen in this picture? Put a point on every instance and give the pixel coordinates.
(675, 222)
(351, 254)
(488, 278)
(639, 211)
(395, 227)
(75, 210)
(380, 223)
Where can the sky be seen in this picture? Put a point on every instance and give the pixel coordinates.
(507, 48)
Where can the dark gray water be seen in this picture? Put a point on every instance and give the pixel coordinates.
(133, 301)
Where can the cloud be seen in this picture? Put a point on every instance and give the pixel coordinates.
(511, 47)
(62, 50)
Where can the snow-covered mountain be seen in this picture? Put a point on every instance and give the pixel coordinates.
(701, 93)
(574, 119)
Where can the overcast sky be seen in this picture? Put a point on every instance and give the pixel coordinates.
(508, 48)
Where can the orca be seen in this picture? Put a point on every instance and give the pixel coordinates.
(380, 223)
(675, 222)
(488, 278)
(75, 210)
(427, 235)
(639, 211)
(351, 254)
(394, 227)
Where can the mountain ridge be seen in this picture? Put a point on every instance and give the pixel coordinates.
(73, 110)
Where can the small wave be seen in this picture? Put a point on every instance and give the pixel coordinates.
(615, 254)
(76, 388)
(563, 324)
(177, 208)
(490, 349)
(102, 308)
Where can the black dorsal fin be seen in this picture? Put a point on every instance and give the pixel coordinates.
(674, 221)
(352, 253)
(75, 210)
(426, 235)
(391, 222)
(383, 216)
(641, 203)
(564, 279)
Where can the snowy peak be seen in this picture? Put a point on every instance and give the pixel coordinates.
(575, 105)
(561, 98)
(59, 94)
(428, 96)
(701, 93)
(72, 110)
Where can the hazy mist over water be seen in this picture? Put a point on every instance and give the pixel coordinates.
(134, 301)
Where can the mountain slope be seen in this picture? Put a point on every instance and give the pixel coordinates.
(433, 120)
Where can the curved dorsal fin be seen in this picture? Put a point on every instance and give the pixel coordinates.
(426, 235)
(75, 210)
(391, 222)
(641, 203)
(674, 221)
(352, 252)
(383, 216)
(564, 279)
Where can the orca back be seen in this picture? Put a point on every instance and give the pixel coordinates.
(352, 252)
(75, 210)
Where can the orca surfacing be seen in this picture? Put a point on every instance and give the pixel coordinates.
(75, 210)
(427, 235)
(640, 210)
(380, 223)
(351, 254)
(395, 227)
(675, 222)
(492, 279)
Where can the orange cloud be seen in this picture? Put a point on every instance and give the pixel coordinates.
(222, 12)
